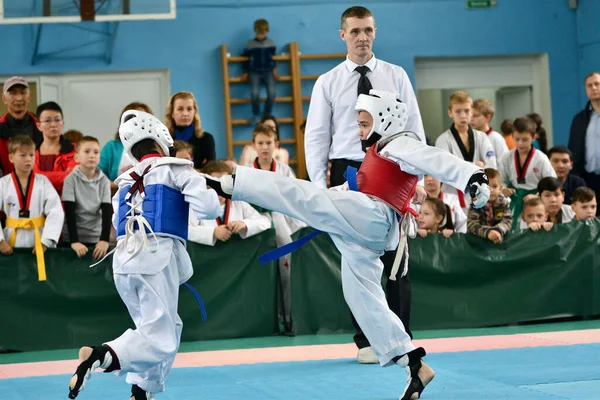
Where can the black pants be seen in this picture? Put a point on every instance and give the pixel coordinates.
(398, 291)
(592, 181)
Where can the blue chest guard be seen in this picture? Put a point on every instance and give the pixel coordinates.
(163, 207)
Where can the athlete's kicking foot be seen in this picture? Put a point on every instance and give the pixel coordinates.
(91, 358)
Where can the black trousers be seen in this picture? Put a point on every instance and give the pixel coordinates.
(593, 182)
(398, 291)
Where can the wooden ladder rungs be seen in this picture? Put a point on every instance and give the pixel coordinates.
(247, 142)
(322, 56)
(309, 77)
(242, 59)
(262, 100)
(247, 121)
(283, 78)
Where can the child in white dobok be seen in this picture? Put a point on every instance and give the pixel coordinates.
(150, 262)
(364, 223)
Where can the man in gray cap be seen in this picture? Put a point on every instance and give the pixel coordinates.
(17, 121)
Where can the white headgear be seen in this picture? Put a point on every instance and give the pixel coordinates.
(139, 125)
(389, 113)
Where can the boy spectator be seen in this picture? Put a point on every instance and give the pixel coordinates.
(562, 162)
(483, 112)
(87, 202)
(34, 215)
(506, 129)
(534, 215)
(260, 69)
(523, 168)
(584, 203)
(494, 220)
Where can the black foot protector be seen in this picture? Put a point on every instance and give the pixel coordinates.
(90, 358)
(413, 382)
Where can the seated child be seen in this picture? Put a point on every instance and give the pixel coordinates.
(534, 215)
(86, 199)
(237, 217)
(583, 203)
(435, 217)
(34, 215)
(495, 219)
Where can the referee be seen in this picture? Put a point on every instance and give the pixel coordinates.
(332, 133)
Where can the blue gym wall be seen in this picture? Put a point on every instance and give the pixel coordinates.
(189, 45)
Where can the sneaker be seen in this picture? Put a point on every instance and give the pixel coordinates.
(366, 355)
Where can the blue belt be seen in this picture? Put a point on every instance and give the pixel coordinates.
(279, 252)
(198, 299)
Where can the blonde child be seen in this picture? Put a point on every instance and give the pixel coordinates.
(483, 112)
(435, 217)
(183, 150)
(237, 217)
(34, 215)
(534, 215)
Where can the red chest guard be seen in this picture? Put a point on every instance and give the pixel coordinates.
(383, 179)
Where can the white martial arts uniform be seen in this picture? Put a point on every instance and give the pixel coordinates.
(482, 151)
(538, 167)
(43, 201)
(361, 227)
(284, 226)
(148, 280)
(498, 143)
(203, 230)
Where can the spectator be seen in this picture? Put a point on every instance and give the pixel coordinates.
(552, 195)
(260, 68)
(184, 123)
(17, 121)
(55, 156)
(483, 112)
(230, 163)
(562, 162)
(585, 131)
(495, 220)
(28, 199)
(435, 217)
(237, 217)
(280, 154)
(112, 162)
(73, 136)
(433, 187)
(584, 203)
(534, 215)
(507, 132)
(523, 168)
(465, 142)
(184, 150)
(87, 202)
(541, 140)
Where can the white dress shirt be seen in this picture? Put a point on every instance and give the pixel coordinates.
(332, 127)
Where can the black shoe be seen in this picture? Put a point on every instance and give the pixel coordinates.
(288, 330)
(413, 382)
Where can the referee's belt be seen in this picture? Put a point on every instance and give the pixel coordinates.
(30, 223)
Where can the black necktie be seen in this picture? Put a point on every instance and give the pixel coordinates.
(364, 84)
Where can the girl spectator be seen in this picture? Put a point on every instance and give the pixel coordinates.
(435, 217)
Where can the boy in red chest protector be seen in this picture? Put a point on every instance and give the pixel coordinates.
(364, 223)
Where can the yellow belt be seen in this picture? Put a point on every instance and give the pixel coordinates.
(30, 223)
